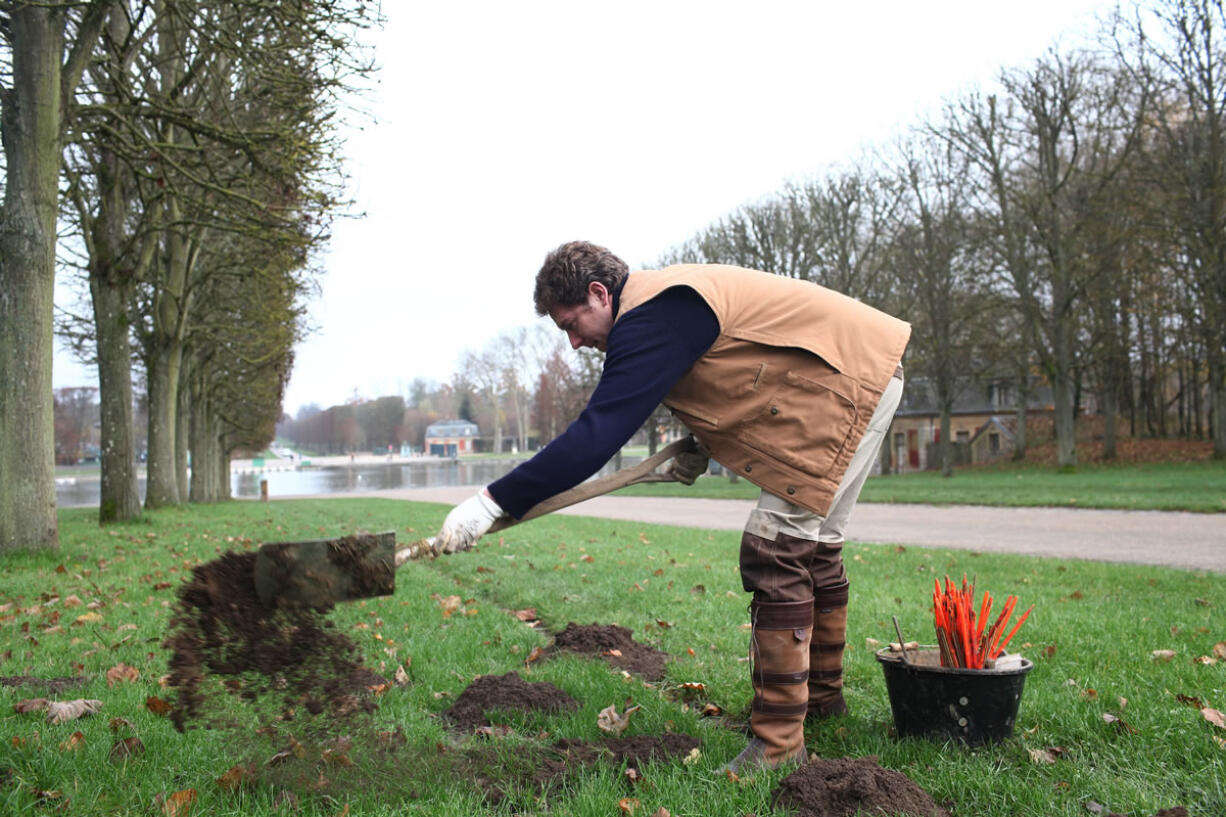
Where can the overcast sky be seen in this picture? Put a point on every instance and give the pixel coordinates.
(501, 130)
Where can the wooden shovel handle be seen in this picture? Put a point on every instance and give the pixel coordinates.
(645, 471)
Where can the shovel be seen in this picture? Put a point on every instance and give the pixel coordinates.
(321, 572)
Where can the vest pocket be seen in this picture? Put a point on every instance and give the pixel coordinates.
(806, 423)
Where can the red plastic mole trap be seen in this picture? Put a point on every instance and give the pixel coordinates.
(966, 641)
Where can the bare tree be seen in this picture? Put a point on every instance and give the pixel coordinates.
(1185, 68)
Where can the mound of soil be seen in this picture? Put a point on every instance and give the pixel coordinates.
(290, 656)
(841, 787)
(505, 692)
(53, 686)
(616, 646)
(537, 774)
(633, 751)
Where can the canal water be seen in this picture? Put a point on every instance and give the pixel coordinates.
(84, 490)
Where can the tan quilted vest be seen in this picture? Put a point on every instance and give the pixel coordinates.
(787, 390)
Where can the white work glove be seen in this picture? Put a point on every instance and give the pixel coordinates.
(466, 523)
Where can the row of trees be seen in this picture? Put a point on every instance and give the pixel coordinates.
(1069, 221)
(189, 148)
(524, 385)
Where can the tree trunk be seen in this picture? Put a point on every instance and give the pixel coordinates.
(120, 492)
(945, 445)
(1023, 397)
(1110, 410)
(30, 129)
(182, 415)
(1066, 436)
(161, 484)
(1217, 406)
(111, 289)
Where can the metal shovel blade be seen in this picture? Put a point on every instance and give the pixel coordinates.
(319, 573)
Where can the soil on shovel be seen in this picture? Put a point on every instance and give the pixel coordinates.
(616, 646)
(505, 692)
(841, 787)
(289, 657)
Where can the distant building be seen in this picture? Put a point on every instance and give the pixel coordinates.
(983, 422)
(450, 438)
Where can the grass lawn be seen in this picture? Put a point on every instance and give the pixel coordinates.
(1091, 637)
(1165, 486)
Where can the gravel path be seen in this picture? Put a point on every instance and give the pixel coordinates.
(1186, 540)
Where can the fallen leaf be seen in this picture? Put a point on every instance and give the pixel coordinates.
(1163, 655)
(115, 724)
(61, 711)
(401, 677)
(121, 673)
(72, 601)
(1204, 659)
(1123, 703)
(526, 615)
(1219, 650)
(661, 812)
(1119, 723)
(449, 604)
(88, 618)
(73, 742)
(178, 804)
(1045, 756)
(693, 757)
(732, 776)
(1090, 694)
(632, 775)
(157, 706)
(536, 653)
(1190, 700)
(711, 711)
(1221, 742)
(236, 777)
(1048, 651)
(662, 624)
(30, 705)
(121, 750)
(1094, 808)
(609, 721)
(628, 804)
(1214, 716)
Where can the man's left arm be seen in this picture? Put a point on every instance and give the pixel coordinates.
(649, 350)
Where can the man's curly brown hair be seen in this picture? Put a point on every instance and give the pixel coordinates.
(567, 271)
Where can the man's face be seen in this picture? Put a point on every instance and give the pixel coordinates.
(587, 324)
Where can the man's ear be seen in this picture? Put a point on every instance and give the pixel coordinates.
(600, 291)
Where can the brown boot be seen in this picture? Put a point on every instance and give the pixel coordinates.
(780, 653)
(826, 653)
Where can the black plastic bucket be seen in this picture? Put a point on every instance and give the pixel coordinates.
(970, 705)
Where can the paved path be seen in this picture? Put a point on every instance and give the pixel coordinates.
(1171, 538)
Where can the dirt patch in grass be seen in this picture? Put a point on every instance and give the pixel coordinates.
(288, 659)
(616, 646)
(508, 692)
(529, 772)
(841, 787)
(53, 686)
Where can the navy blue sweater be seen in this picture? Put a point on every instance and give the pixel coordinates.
(647, 352)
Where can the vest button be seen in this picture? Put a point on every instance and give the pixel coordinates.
(774, 409)
(791, 490)
(748, 468)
